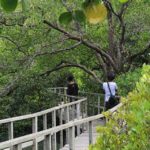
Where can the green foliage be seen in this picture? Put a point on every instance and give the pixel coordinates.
(129, 128)
(123, 1)
(65, 18)
(79, 16)
(9, 5)
(127, 81)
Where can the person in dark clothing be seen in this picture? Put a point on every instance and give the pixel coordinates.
(72, 87)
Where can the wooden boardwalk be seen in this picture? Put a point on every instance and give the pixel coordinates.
(82, 141)
(73, 123)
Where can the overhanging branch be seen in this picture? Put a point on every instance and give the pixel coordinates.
(66, 64)
(84, 42)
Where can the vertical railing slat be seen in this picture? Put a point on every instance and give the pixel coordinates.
(78, 117)
(61, 132)
(44, 128)
(17, 147)
(72, 138)
(98, 104)
(90, 132)
(34, 130)
(66, 121)
(10, 130)
(48, 142)
(54, 146)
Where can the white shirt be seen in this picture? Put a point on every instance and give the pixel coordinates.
(113, 88)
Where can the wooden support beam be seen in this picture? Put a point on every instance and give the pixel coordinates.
(10, 130)
(72, 138)
(48, 142)
(78, 111)
(98, 104)
(17, 147)
(35, 145)
(90, 132)
(54, 146)
(44, 128)
(66, 121)
(61, 132)
(34, 124)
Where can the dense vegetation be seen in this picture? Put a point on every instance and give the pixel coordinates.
(129, 128)
(43, 41)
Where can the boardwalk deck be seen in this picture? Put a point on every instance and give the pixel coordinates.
(82, 141)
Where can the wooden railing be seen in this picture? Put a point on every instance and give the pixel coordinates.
(74, 116)
(95, 101)
(49, 134)
(66, 112)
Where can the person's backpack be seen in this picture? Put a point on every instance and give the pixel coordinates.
(113, 99)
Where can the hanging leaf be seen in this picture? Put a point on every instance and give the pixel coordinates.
(24, 4)
(65, 18)
(9, 5)
(95, 13)
(79, 16)
(123, 1)
(87, 3)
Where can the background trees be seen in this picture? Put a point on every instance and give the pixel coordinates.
(37, 50)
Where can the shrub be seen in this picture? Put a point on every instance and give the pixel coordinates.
(129, 127)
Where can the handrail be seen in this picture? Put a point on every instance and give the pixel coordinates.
(37, 114)
(53, 130)
(65, 88)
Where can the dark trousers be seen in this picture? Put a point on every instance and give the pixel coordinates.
(108, 105)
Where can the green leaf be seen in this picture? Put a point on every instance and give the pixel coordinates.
(9, 5)
(65, 18)
(96, 1)
(87, 3)
(123, 1)
(24, 4)
(79, 16)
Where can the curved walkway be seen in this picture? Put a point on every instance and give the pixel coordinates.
(79, 129)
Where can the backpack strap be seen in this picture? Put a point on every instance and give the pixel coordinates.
(109, 88)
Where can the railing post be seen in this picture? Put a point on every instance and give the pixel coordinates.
(61, 132)
(48, 142)
(90, 132)
(65, 95)
(98, 104)
(54, 146)
(72, 138)
(45, 121)
(10, 130)
(34, 124)
(34, 130)
(66, 121)
(35, 145)
(44, 128)
(17, 147)
(78, 116)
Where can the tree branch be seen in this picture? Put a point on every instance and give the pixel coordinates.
(84, 42)
(146, 50)
(66, 64)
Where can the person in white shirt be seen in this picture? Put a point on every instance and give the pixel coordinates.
(110, 89)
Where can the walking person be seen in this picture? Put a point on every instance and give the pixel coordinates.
(110, 90)
(72, 87)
